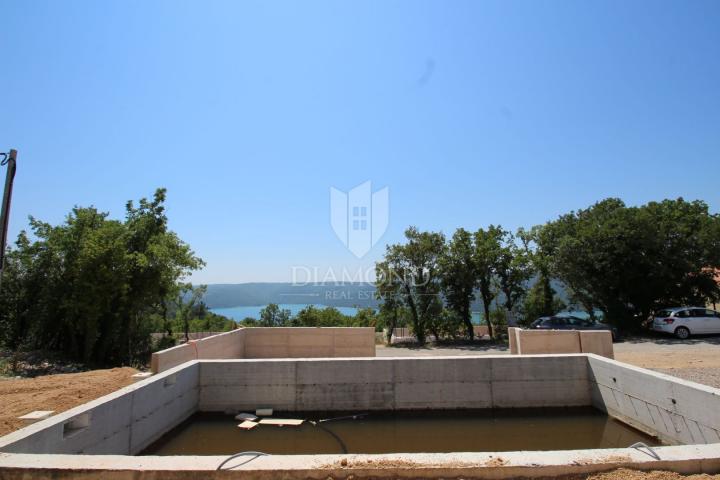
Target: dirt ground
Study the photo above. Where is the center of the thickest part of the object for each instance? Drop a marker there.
(56, 392)
(624, 474)
(697, 359)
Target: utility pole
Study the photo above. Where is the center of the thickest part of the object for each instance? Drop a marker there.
(9, 159)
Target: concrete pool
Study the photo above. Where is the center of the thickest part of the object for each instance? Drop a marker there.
(444, 431)
(108, 434)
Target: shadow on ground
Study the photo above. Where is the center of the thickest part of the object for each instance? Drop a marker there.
(659, 339)
(476, 346)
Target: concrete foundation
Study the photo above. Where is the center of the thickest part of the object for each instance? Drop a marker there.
(535, 342)
(122, 423)
(675, 410)
(276, 342)
(127, 421)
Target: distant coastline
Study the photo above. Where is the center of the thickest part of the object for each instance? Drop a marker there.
(351, 295)
(238, 313)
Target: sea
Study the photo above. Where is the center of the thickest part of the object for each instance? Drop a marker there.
(253, 311)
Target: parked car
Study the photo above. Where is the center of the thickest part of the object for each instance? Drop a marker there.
(685, 321)
(564, 322)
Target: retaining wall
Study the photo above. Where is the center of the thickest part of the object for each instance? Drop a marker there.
(535, 342)
(275, 342)
(225, 345)
(122, 423)
(395, 383)
(675, 410)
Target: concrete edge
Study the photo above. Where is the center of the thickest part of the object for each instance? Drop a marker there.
(382, 359)
(489, 465)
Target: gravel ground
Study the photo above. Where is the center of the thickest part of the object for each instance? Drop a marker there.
(706, 376)
(697, 359)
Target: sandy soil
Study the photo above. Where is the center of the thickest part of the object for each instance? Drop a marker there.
(624, 474)
(56, 392)
(670, 353)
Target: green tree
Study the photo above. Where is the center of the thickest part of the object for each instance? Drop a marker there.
(389, 316)
(364, 317)
(273, 316)
(249, 322)
(411, 270)
(187, 299)
(513, 270)
(629, 261)
(486, 258)
(541, 301)
(92, 287)
(459, 277)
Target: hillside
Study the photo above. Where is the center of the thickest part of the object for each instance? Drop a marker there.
(221, 295)
(246, 294)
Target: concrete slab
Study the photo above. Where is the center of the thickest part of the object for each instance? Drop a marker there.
(36, 416)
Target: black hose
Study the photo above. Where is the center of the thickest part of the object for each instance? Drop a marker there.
(347, 417)
(257, 454)
(334, 435)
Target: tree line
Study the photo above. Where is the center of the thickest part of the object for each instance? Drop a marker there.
(311, 316)
(94, 288)
(622, 261)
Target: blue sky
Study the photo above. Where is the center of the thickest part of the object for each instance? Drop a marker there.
(471, 113)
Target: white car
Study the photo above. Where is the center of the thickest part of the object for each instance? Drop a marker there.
(685, 321)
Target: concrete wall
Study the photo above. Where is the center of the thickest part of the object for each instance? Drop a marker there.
(309, 342)
(513, 340)
(598, 342)
(537, 342)
(225, 345)
(675, 410)
(124, 422)
(395, 383)
(276, 342)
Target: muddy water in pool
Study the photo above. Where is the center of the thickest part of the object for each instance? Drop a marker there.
(556, 429)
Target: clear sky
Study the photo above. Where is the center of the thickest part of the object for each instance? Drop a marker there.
(471, 113)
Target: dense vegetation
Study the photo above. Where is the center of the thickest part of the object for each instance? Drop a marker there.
(623, 261)
(311, 316)
(94, 288)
